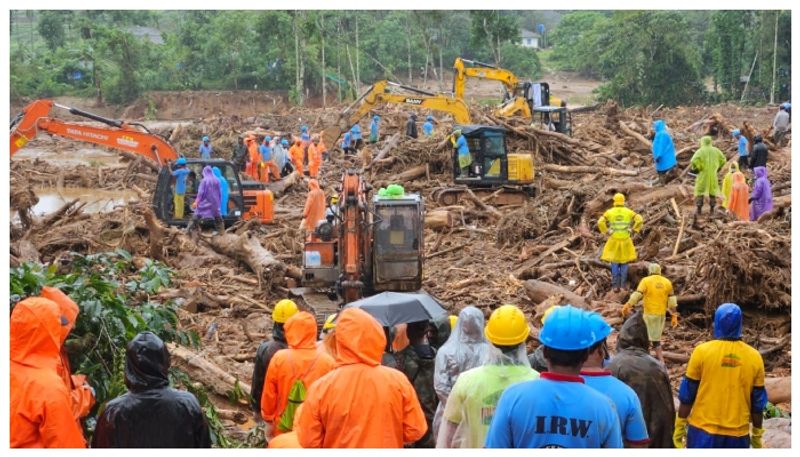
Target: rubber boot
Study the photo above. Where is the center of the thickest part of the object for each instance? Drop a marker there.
(712, 203)
(699, 203)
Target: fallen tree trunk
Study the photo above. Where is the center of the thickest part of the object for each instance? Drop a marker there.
(250, 251)
(438, 220)
(280, 187)
(539, 291)
(411, 174)
(587, 169)
(205, 372)
(388, 146)
(155, 236)
(636, 135)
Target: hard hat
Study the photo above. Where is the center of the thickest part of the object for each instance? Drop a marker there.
(429, 118)
(284, 142)
(334, 199)
(304, 128)
(736, 132)
(787, 105)
(619, 199)
(654, 269)
(181, 161)
(548, 312)
(568, 328)
(600, 327)
(205, 138)
(376, 118)
(330, 322)
(507, 326)
(283, 310)
(453, 320)
(267, 139)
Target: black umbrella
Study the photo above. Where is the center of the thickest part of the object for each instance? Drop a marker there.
(391, 308)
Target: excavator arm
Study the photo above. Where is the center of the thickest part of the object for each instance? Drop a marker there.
(118, 135)
(483, 71)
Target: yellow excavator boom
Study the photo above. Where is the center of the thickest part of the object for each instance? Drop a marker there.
(483, 71)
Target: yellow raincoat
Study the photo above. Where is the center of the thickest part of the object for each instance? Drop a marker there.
(619, 247)
(727, 183)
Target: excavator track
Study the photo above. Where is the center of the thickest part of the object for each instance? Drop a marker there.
(317, 302)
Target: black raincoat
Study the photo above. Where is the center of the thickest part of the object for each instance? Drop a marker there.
(151, 414)
(264, 355)
(634, 366)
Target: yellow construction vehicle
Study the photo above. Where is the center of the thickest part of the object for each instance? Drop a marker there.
(383, 92)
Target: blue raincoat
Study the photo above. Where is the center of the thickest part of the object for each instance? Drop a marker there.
(663, 148)
(373, 129)
(223, 191)
(356, 131)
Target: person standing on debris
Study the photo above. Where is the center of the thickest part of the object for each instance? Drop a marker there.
(657, 296)
(253, 157)
(619, 249)
(472, 402)
(758, 158)
(305, 137)
(314, 158)
(41, 406)
(738, 202)
(722, 392)
(466, 348)
(180, 173)
(427, 127)
(266, 157)
(663, 151)
(223, 191)
(206, 204)
(373, 129)
(648, 377)
(314, 211)
(151, 414)
(459, 142)
(355, 132)
(411, 126)
(558, 409)
(596, 376)
(281, 313)
(417, 361)
(291, 372)
(727, 183)
(240, 154)
(761, 198)
(205, 150)
(296, 154)
(780, 125)
(707, 161)
(360, 404)
(347, 143)
(742, 148)
(280, 157)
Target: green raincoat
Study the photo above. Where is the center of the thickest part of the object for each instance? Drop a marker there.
(707, 161)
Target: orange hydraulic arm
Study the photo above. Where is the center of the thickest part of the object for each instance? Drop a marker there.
(354, 240)
(119, 135)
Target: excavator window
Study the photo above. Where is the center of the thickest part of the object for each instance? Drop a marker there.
(395, 232)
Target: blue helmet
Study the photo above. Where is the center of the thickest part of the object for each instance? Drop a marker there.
(376, 118)
(601, 327)
(354, 128)
(429, 118)
(736, 132)
(267, 139)
(569, 328)
(728, 321)
(284, 142)
(304, 128)
(181, 161)
(205, 138)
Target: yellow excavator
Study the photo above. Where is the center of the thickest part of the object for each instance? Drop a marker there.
(383, 92)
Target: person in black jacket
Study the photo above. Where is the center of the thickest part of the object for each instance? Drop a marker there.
(151, 414)
(758, 156)
(411, 126)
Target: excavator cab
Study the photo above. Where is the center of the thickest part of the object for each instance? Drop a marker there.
(398, 241)
(553, 118)
(492, 165)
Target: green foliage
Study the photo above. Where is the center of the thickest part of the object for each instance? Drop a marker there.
(494, 28)
(771, 411)
(524, 62)
(575, 41)
(51, 28)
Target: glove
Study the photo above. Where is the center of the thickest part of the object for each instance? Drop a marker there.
(680, 432)
(755, 438)
(626, 310)
(674, 320)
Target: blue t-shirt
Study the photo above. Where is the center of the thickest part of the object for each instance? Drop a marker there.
(180, 175)
(205, 151)
(346, 141)
(266, 152)
(356, 131)
(461, 145)
(427, 128)
(554, 411)
(629, 409)
(742, 146)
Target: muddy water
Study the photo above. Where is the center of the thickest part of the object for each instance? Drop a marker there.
(83, 155)
(98, 201)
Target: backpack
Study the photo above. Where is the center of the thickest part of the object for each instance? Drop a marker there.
(296, 397)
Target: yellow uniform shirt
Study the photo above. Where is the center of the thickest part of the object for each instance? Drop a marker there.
(727, 372)
(656, 291)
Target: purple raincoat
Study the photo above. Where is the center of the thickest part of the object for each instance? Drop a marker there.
(762, 194)
(208, 195)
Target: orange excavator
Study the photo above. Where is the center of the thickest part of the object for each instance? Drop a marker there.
(247, 199)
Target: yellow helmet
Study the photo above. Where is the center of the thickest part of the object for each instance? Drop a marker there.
(330, 322)
(283, 310)
(619, 199)
(548, 311)
(334, 199)
(507, 326)
(453, 320)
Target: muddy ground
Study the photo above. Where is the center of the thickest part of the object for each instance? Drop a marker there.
(491, 255)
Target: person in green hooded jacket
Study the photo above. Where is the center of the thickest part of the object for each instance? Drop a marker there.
(707, 161)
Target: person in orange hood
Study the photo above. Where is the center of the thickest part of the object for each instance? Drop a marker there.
(300, 361)
(360, 404)
(314, 160)
(81, 392)
(296, 154)
(253, 157)
(41, 406)
(314, 210)
(738, 202)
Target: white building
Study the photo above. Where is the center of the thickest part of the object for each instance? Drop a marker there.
(530, 39)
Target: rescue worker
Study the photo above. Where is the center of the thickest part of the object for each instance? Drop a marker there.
(253, 157)
(537, 360)
(41, 407)
(266, 157)
(206, 203)
(742, 148)
(619, 249)
(240, 154)
(327, 342)
(296, 155)
(474, 397)
(332, 211)
(761, 197)
(462, 149)
(427, 127)
(706, 161)
(151, 414)
(780, 125)
(305, 137)
(629, 410)
(281, 313)
(663, 151)
(223, 191)
(314, 160)
(722, 392)
(558, 409)
(355, 132)
(180, 173)
(648, 377)
(466, 348)
(288, 440)
(347, 143)
(300, 362)
(417, 361)
(282, 159)
(758, 158)
(411, 126)
(738, 202)
(360, 404)
(205, 150)
(727, 183)
(439, 330)
(314, 210)
(373, 129)
(657, 296)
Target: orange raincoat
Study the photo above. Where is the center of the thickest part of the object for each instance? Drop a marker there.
(321, 147)
(360, 404)
(81, 394)
(288, 440)
(314, 160)
(300, 361)
(41, 407)
(253, 157)
(296, 154)
(738, 202)
(314, 210)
